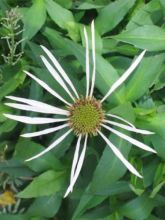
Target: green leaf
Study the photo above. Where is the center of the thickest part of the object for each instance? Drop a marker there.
(148, 37)
(112, 166)
(3, 109)
(14, 217)
(114, 216)
(46, 206)
(157, 189)
(8, 126)
(88, 6)
(152, 217)
(63, 18)
(110, 16)
(99, 214)
(138, 208)
(163, 5)
(111, 45)
(46, 184)
(65, 3)
(58, 14)
(4, 5)
(26, 149)
(118, 187)
(159, 174)
(73, 30)
(159, 180)
(33, 19)
(147, 14)
(144, 76)
(14, 168)
(158, 143)
(11, 84)
(155, 123)
(149, 172)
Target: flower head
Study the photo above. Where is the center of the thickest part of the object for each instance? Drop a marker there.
(82, 116)
(86, 115)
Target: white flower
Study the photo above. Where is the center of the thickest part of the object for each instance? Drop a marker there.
(83, 116)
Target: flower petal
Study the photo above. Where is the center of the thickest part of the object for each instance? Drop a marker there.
(46, 87)
(79, 166)
(43, 132)
(120, 118)
(130, 139)
(87, 62)
(128, 128)
(93, 58)
(56, 76)
(40, 105)
(54, 144)
(34, 120)
(60, 69)
(124, 76)
(75, 158)
(28, 108)
(120, 156)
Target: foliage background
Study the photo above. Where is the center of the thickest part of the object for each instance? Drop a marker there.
(105, 190)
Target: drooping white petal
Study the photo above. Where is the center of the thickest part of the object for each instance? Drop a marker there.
(43, 132)
(130, 139)
(75, 158)
(60, 69)
(40, 105)
(56, 76)
(46, 87)
(124, 76)
(128, 128)
(28, 108)
(93, 58)
(87, 62)
(120, 156)
(78, 169)
(34, 120)
(120, 118)
(54, 144)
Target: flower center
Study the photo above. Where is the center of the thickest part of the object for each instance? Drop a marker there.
(86, 115)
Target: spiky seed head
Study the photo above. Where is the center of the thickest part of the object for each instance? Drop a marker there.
(86, 115)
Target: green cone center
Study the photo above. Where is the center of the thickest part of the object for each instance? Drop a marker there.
(86, 116)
